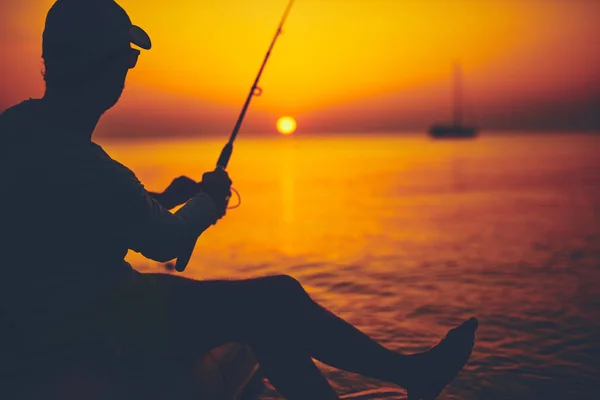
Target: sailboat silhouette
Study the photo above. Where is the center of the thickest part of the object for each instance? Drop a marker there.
(456, 129)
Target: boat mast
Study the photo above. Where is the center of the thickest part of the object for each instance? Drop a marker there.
(457, 95)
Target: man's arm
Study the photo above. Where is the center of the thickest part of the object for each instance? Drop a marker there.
(177, 193)
(160, 234)
(157, 197)
(144, 224)
(161, 200)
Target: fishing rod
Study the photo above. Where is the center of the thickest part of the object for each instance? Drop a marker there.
(254, 91)
(225, 155)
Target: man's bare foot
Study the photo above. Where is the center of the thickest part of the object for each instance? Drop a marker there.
(437, 367)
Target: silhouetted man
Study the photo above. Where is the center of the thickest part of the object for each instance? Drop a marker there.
(70, 213)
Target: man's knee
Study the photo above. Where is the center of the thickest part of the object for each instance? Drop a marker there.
(284, 288)
(288, 284)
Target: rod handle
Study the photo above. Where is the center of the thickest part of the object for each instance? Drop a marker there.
(184, 259)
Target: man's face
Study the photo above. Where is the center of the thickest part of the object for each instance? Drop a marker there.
(109, 88)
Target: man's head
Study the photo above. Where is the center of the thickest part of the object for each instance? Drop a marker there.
(87, 50)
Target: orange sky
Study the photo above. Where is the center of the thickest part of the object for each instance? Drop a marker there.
(342, 65)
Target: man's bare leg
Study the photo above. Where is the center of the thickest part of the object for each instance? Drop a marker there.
(274, 315)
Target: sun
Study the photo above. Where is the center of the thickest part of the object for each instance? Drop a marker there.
(286, 125)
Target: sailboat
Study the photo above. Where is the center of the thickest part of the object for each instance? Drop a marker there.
(456, 129)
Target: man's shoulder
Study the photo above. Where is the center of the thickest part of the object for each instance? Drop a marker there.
(17, 125)
(105, 159)
(15, 116)
(19, 110)
(112, 169)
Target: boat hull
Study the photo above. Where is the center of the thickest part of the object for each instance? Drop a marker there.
(452, 132)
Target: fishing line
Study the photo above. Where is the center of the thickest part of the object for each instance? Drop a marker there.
(239, 203)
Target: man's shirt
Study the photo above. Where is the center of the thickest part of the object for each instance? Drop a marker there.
(69, 214)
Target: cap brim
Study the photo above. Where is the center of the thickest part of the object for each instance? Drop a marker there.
(140, 38)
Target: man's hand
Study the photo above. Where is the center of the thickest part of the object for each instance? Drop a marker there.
(217, 185)
(179, 191)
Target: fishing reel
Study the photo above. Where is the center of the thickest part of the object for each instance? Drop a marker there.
(232, 190)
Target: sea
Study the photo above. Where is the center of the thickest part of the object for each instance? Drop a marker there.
(405, 237)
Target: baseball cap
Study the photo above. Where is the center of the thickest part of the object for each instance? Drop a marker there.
(79, 32)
